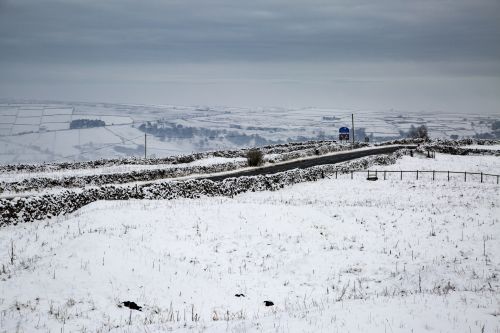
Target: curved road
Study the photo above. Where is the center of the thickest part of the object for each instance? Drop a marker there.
(310, 162)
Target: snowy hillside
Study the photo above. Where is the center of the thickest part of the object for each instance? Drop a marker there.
(57, 131)
(335, 255)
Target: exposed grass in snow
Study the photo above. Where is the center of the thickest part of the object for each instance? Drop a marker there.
(334, 256)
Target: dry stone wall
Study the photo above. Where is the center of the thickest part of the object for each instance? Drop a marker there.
(28, 209)
(179, 159)
(283, 153)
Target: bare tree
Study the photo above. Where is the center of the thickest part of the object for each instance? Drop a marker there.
(419, 132)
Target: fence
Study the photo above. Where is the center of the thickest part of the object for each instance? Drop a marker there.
(418, 174)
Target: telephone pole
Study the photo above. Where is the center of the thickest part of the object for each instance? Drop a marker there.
(352, 118)
(145, 142)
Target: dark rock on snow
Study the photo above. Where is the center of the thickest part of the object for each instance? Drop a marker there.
(132, 305)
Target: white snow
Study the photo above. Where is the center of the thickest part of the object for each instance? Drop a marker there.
(489, 147)
(19, 176)
(337, 255)
(445, 162)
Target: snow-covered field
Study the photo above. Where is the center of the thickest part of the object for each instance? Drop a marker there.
(337, 255)
(38, 132)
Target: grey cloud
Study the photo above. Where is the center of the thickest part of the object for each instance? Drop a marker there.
(80, 31)
(433, 54)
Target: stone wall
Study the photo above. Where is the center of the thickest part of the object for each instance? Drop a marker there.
(28, 209)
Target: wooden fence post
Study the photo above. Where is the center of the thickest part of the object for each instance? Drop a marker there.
(384, 175)
(336, 174)
(433, 174)
(465, 176)
(417, 174)
(401, 174)
(351, 174)
(448, 175)
(481, 177)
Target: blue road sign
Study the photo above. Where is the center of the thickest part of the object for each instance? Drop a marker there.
(344, 130)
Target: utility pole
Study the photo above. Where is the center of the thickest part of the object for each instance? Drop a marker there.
(145, 142)
(352, 117)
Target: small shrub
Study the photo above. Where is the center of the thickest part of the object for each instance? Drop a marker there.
(255, 157)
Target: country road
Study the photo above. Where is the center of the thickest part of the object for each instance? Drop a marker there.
(30, 206)
(303, 163)
(309, 162)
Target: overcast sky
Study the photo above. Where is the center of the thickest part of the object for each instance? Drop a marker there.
(441, 55)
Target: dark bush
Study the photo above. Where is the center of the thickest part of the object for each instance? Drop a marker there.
(255, 157)
(86, 123)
